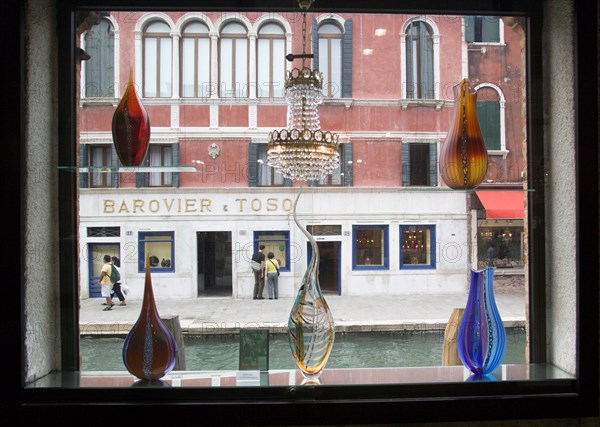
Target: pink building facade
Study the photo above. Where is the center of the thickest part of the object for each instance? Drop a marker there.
(212, 84)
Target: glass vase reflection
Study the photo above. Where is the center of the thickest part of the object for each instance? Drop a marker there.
(150, 349)
(310, 326)
(131, 127)
(463, 155)
(481, 337)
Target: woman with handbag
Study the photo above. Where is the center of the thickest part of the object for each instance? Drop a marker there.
(272, 276)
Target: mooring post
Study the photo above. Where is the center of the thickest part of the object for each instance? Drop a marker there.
(172, 323)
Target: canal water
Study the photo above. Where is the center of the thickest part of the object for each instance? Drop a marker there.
(350, 350)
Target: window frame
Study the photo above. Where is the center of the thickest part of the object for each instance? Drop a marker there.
(385, 228)
(271, 39)
(286, 233)
(432, 248)
(538, 398)
(197, 62)
(159, 58)
(141, 239)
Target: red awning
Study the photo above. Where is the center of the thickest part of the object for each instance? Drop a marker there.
(502, 204)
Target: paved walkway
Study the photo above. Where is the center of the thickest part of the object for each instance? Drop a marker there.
(215, 315)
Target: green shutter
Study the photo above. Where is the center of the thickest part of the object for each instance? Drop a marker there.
(114, 164)
(347, 60)
(347, 164)
(287, 182)
(488, 113)
(83, 161)
(99, 69)
(469, 29)
(405, 164)
(253, 164)
(315, 45)
(490, 31)
(426, 56)
(433, 164)
(410, 79)
(175, 160)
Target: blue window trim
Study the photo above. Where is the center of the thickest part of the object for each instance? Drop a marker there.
(432, 246)
(142, 252)
(286, 233)
(386, 257)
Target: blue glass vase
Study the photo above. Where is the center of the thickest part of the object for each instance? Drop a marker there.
(481, 337)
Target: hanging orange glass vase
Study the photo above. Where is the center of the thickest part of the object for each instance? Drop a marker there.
(131, 127)
(150, 349)
(463, 156)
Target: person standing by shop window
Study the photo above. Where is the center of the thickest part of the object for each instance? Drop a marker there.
(272, 276)
(258, 266)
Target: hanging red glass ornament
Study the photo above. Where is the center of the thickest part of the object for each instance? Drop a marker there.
(131, 127)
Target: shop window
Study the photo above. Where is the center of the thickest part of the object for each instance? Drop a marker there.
(417, 246)
(370, 247)
(500, 244)
(277, 242)
(159, 247)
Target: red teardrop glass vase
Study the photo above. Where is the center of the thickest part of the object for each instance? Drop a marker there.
(131, 127)
(150, 349)
(463, 156)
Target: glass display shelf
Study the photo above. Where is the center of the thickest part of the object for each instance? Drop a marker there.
(525, 373)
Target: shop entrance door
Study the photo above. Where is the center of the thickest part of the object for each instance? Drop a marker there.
(329, 266)
(214, 263)
(96, 252)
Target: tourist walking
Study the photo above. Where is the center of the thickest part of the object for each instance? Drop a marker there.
(117, 287)
(105, 283)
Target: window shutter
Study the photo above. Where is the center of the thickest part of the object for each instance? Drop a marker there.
(287, 182)
(107, 63)
(410, 79)
(142, 178)
(315, 45)
(405, 164)
(491, 29)
(253, 164)
(469, 29)
(83, 161)
(347, 60)
(312, 183)
(488, 113)
(347, 164)
(92, 66)
(175, 160)
(114, 164)
(426, 56)
(433, 164)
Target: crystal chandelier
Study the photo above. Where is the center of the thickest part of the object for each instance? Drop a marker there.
(303, 151)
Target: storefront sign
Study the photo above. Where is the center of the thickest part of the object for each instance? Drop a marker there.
(192, 205)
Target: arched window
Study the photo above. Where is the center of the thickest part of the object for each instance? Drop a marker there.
(489, 115)
(195, 61)
(158, 47)
(100, 68)
(419, 61)
(330, 58)
(270, 61)
(233, 61)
